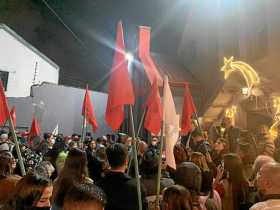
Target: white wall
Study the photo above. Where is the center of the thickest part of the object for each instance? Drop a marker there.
(19, 59)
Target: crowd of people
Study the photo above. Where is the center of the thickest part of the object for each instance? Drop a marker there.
(224, 168)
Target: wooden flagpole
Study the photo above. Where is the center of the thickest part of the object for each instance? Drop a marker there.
(22, 169)
(135, 158)
(83, 131)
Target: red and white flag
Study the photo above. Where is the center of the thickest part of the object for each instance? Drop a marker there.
(171, 124)
(120, 91)
(88, 111)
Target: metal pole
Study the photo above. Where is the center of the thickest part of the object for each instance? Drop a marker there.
(22, 169)
(135, 158)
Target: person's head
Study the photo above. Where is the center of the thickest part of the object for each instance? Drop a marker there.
(197, 159)
(142, 147)
(3, 137)
(75, 165)
(259, 162)
(6, 163)
(220, 145)
(31, 192)
(268, 178)
(154, 141)
(197, 136)
(227, 122)
(189, 175)
(117, 156)
(122, 138)
(262, 131)
(84, 197)
(72, 145)
(74, 170)
(234, 168)
(44, 169)
(149, 164)
(176, 197)
(92, 145)
(180, 153)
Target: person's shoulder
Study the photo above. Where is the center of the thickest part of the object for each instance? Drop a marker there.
(259, 206)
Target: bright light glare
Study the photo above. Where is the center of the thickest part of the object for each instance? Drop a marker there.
(129, 57)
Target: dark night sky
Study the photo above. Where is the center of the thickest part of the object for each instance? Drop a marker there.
(94, 22)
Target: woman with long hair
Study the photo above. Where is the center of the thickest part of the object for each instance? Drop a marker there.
(32, 192)
(74, 171)
(7, 179)
(233, 185)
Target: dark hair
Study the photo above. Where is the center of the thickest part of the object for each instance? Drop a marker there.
(74, 170)
(117, 155)
(177, 197)
(5, 165)
(27, 192)
(237, 178)
(180, 153)
(84, 196)
(189, 175)
(149, 164)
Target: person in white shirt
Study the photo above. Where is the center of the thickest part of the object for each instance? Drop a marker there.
(268, 183)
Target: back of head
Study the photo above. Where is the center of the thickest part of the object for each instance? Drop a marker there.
(234, 166)
(75, 164)
(149, 164)
(180, 153)
(84, 197)
(189, 175)
(177, 197)
(259, 162)
(117, 155)
(269, 177)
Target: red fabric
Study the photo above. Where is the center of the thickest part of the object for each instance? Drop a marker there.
(34, 130)
(188, 110)
(145, 57)
(4, 109)
(13, 115)
(120, 90)
(154, 110)
(88, 111)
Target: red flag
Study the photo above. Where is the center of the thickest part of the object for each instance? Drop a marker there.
(13, 115)
(154, 110)
(4, 109)
(145, 57)
(120, 86)
(188, 110)
(88, 111)
(34, 130)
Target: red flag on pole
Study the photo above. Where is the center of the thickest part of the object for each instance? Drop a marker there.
(154, 110)
(120, 86)
(13, 115)
(145, 57)
(88, 111)
(188, 110)
(34, 130)
(4, 109)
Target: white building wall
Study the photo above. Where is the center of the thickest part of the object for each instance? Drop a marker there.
(19, 59)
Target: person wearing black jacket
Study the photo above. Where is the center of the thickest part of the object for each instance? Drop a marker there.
(121, 190)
